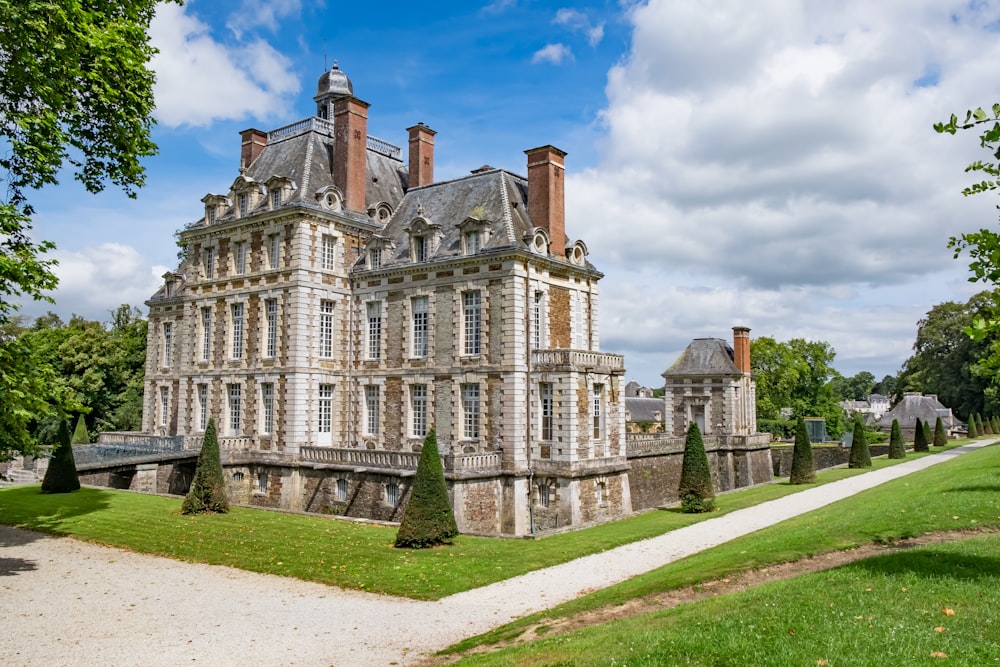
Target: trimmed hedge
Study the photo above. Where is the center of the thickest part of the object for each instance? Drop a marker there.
(695, 490)
(897, 449)
(61, 476)
(429, 518)
(803, 465)
(208, 489)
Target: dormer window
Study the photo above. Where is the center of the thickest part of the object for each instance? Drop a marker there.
(243, 203)
(214, 204)
(577, 253)
(419, 248)
(210, 216)
(471, 241)
(539, 243)
(424, 236)
(475, 232)
(275, 198)
(330, 198)
(277, 188)
(375, 258)
(381, 212)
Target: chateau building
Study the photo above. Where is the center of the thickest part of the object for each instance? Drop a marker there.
(336, 303)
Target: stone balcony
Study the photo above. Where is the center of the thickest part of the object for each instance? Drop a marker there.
(577, 361)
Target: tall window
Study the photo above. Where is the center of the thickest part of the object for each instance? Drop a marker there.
(168, 343)
(241, 258)
(371, 409)
(472, 321)
(271, 340)
(419, 248)
(273, 250)
(243, 201)
(202, 407)
(579, 330)
(375, 258)
(328, 255)
(209, 256)
(374, 309)
(538, 321)
(326, 328)
(471, 243)
(545, 407)
(597, 411)
(267, 408)
(164, 405)
(418, 410)
(210, 214)
(234, 409)
(325, 417)
(206, 333)
(470, 411)
(420, 331)
(276, 198)
(237, 316)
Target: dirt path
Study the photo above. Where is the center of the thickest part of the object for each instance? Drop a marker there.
(64, 602)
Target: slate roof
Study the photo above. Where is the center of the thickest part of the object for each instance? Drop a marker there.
(927, 408)
(644, 409)
(705, 356)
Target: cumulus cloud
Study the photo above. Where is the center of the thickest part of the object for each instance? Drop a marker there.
(552, 53)
(200, 80)
(262, 14)
(773, 164)
(578, 21)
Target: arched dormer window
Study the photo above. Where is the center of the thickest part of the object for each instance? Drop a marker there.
(246, 194)
(279, 190)
(424, 238)
(215, 207)
(380, 212)
(475, 234)
(538, 241)
(577, 253)
(375, 250)
(330, 198)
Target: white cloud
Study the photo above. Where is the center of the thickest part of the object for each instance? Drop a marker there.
(200, 80)
(773, 164)
(552, 53)
(498, 6)
(261, 14)
(576, 20)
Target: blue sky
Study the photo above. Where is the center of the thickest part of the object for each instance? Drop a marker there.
(767, 164)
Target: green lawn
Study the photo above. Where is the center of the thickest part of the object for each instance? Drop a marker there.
(336, 552)
(960, 494)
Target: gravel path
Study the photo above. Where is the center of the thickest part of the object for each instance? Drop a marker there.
(64, 602)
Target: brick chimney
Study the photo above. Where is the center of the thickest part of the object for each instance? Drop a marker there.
(421, 155)
(350, 142)
(547, 195)
(741, 348)
(252, 142)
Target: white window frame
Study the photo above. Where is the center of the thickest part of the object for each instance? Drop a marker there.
(597, 411)
(419, 330)
(342, 489)
(271, 324)
(373, 348)
(164, 405)
(328, 252)
(472, 322)
(206, 333)
(209, 262)
(240, 258)
(375, 258)
(421, 248)
(168, 344)
(544, 493)
(325, 329)
(546, 412)
(471, 421)
(202, 407)
(372, 397)
(243, 203)
(275, 198)
(235, 396)
(274, 251)
(324, 412)
(267, 408)
(418, 410)
(538, 321)
(236, 311)
(261, 483)
(471, 240)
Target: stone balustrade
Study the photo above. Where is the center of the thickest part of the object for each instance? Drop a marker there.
(577, 360)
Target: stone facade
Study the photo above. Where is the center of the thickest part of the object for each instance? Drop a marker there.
(335, 304)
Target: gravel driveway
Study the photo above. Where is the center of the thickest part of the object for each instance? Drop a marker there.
(65, 602)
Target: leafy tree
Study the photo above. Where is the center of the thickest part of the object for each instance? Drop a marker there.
(940, 437)
(897, 450)
(74, 88)
(856, 388)
(920, 437)
(797, 375)
(695, 491)
(429, 518)
(208, 488)
(860, 456)
(803, 465)
(886, 386)
(60, 476)
(80, 434)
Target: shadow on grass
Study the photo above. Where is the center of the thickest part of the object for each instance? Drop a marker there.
(27, 507)
(932, 563)
(989, 488)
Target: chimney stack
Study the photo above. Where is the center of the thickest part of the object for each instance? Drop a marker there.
(547, 195)
(741, 348)
(251, 144)
(350, 145)
(421, 155)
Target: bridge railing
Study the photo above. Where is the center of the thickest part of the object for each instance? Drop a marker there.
(126, 446)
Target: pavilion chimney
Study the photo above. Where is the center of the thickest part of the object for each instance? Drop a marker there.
(350, 145)
(252, 143)
(421, 155)
(547, 195)
(741, 348)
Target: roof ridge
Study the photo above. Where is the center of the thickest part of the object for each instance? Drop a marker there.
(508, 221)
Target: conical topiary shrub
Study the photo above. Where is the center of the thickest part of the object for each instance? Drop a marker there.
(803, 465)
(928, 433)
(860, 455)
(897, 450)
(429, 518)
(973, 431)
(208, 488)
(919, 437)
(80, 434)
(987, 428)
(61, 477)
(940, 437)
(695, 491)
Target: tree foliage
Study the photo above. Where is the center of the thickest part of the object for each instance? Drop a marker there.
(429, 519)
(897, 448)
(860, 456)
(208, 488)
(61, 476)
(695, 490)
(796, 375)
(803, 465)
(856, 388)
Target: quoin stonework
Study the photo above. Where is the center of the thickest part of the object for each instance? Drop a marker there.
(336, 302)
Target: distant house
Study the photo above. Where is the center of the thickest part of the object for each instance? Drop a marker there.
(916, 405)
(643, 415)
